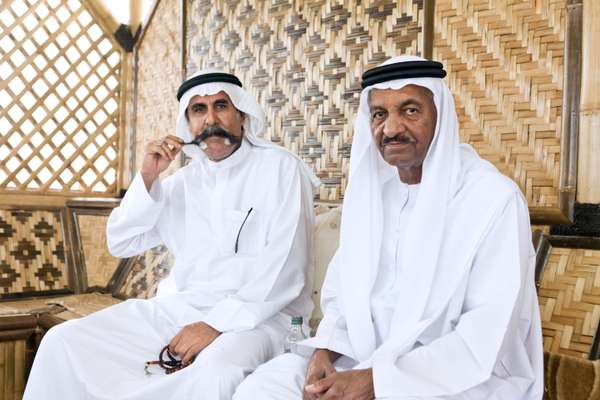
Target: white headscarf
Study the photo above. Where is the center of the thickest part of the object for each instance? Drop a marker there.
(362, 218)
(254, 122)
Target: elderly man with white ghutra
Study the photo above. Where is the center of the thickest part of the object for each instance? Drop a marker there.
(238, 220)
(431, 293)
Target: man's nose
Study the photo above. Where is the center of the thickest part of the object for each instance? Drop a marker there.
(211, 117)
(393, 125)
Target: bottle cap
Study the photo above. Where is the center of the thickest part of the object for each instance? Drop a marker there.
(297, 320)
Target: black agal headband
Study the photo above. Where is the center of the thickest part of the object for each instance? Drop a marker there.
(207, 78)
(403, 70)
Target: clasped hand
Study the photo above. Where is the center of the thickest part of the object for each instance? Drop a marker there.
(323, 382)
(191, 340)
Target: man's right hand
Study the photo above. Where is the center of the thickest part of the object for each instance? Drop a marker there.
(159, 154)
(320, 366)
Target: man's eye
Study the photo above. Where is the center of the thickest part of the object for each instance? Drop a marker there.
(411, 111)
(377, 115)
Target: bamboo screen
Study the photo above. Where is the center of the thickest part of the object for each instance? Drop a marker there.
(100, 265)
(303, 61)
(505, 62)
(59, 100)
(569, 297)
(158, 77)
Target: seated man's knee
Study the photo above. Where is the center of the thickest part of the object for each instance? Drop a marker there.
(280, 378)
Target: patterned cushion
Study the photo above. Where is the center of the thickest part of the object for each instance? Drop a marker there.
(32, 253)
(144, 272)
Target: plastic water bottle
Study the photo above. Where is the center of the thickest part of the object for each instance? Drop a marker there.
(295, 334)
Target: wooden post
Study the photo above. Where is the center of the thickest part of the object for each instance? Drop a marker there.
(102, 16)
(135, 15)
(125, 176)
(588, 180)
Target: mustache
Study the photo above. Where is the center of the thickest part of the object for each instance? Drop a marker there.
(218, 132)
(401, 138)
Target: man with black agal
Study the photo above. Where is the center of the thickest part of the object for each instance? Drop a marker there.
(238, 220)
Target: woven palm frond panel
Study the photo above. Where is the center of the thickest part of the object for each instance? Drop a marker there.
(303, 61)
(32, 252)
(505, 68)
(158, 77)
(12, 369)
(59, 100)
(145, 272)
(99, 264)
(569, 297)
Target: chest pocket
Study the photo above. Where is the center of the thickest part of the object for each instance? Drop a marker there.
(242, 233)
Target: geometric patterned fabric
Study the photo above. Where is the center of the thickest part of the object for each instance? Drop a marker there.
(569, 297)
(32, 252)
(59, 100)
(145, 272)
(303, 62)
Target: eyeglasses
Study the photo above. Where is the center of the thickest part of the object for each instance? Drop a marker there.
(169, 364)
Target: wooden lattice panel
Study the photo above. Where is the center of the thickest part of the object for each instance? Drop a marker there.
(303, 61)
(59, 100)
(569, 297)
(32, 252)
(145, 273)
(158, 77)
(99, 264)
(505, 65)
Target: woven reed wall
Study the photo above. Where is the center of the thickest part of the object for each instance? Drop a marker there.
(569, 297)
(12, 369)
(303, 61)
(505, 64)
(99, 264)
(158, 77)
(59, 100)
(32, 252)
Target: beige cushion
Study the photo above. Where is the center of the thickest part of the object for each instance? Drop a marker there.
(64, 307)
(327, 235)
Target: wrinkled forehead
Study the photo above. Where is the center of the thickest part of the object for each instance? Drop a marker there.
(409, 91)
(210, 98)
(213, 99)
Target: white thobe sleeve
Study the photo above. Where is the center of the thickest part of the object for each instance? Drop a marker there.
(332, 333)
(279, 272)
(499, 280)
(131, 227)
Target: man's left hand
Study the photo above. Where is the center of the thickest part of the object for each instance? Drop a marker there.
(347, 385)
(191, 340)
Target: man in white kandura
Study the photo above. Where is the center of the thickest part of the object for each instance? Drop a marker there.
(238, 220)
(431, 293)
